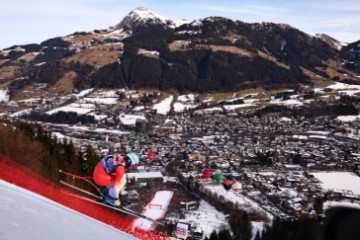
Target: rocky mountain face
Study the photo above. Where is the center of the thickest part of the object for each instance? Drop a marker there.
(351, 54)
(330, 41)
(146, 50)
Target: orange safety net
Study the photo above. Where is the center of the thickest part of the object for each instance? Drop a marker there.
(17, 174)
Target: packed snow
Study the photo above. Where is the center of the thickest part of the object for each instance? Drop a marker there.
(29, 216)
(237, 106)
(142, 51)
(207, 218)
(145, 14)
(340, 181)
(164, 106)
(179, 107)
(341, 88)
(130, 119)
(21, 113)
(156, 209)
(287, 102)
(84, 93)
(88, 129)
(237, 198)
(184, 102)
(98, 117)
(74, 107)
(187, 98)
(4, 95)
(348, 118)
(100, 100)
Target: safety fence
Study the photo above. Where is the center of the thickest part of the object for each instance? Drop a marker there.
(17, 174)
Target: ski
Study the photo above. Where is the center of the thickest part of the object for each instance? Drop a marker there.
(96, 197)
(81, 190)
(86, 179)
(118, 209)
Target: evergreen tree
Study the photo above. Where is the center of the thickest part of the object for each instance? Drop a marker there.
(257, 236)
(213, 236)
(304, 228)
(91, 160)
(82, 161)
(71, 158)
(240, 225)
(318, 205)
(224, 235)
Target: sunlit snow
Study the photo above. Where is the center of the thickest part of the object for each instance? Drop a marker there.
(29, 216)
(129, 119)
(348, 118)
(156, 209)
(346, 181)
(100, 100)
(4, 95)
(164, 106)
(84, 92)
(74, 107)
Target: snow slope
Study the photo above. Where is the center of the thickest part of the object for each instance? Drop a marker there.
(29, 216)
(156, 209)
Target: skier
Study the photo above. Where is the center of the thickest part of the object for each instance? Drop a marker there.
(110, 172)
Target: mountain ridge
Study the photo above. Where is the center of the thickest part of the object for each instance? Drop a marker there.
(147, 50)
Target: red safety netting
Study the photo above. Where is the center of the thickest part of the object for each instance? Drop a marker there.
(17, 174)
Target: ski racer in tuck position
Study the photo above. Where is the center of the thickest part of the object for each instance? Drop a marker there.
(110, 172)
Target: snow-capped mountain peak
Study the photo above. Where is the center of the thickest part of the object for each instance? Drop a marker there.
(142, 15)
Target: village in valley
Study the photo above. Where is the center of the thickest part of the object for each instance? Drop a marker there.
(280, 164)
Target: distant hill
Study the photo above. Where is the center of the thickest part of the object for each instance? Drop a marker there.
(146, 50)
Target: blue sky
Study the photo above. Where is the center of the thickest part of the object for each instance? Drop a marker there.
(34, 21)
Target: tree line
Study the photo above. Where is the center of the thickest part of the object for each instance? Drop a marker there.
(60, 117)
(35, 148)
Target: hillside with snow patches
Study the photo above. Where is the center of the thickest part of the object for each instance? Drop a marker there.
(87, 102)
(147, 50)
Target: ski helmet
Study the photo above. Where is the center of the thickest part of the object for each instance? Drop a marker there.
(132, 159)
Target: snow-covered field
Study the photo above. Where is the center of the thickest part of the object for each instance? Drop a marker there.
(25, 215)
(207, 218)
(343, 181)
(164, 106)
(78, 108)
(237, 198)
(348, 89)
(130, 119)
